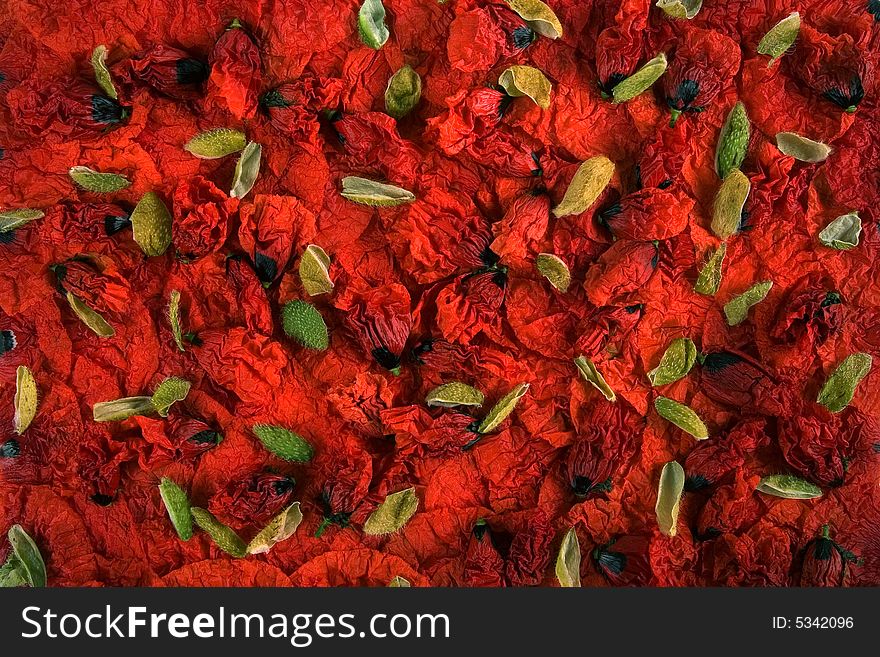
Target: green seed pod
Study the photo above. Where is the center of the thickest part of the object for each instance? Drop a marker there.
(302, 322)
(640, 81)
(780, 37)
(449, 395)
(171, 390)
(216, 143)
(733, 142)
(594, 377)
(122, 409)
(669, 498)
(502, 409)
(369, 192)
(737, 309)
(12, 219)
(246, 170)
(398, 582)
(403, 92)
(568, 561)
(25, 564)
(842, 233)
(283, 443)
(224, 537)
(94, 181)
(554, 269)
(102, 73)
(686, 9)
(280, 528)
(538, 16)
(681, 416)
(90, 317)
(709, 279)
(151, 225)
(393, 513)
(840, 387)
(676, 362)
(174, 319)
(371, 24)
(25, 399)
(788, 487)
(526, 81)
(729, 203)
(178, 507)
(589, 181)
(801, 148)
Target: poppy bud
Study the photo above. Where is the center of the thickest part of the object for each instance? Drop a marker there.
(625, 267)
(735, 380)
(235, 76)
(381, 321)
(825, 562)
(483, 564)
(171, 72)
(808, 317)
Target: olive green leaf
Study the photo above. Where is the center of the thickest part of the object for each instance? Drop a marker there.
(526, 81)
(842, 233)
(403, 92)
(733, 142)
(680, 8)
(284, 443)
(502, 409)
(216, 143)
(314, 271)
(24, 565)
(729, 203)
(640, 81)
(90, 317)
(840, 387)
(102, 74)
(780, 37)
(568, 561)
(178, 507)
(398, 582)
(537, 16)
(371, 24)
(554, 269)
(370, 192)
(122, 409)
(449, 395)
(393, 513)
(280, 528)
(709, 279)
(788, 487)
(95, 181)
(737, 309)
(676, 362)
(801, 148)
(302, 322)
(246, 170)
(174, 319)
(12, 219)
(681, 416)
(589, 181)
(669, 498)
(224, 537)
(25, 399)
(170, 391)
(592, 375)
(151, 225)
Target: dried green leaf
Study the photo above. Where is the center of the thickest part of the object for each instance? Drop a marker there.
(680, 8)
(393, 513)
(589, 181)
(729, 203)
(537, 16)
(840, 387)
(733, 141)
(449, 395)
(371, 24)
(502, 409)
(676, 362)
(151, 224)
(280, 528)
(669, 498)
(174, 319)
(12, 219)
(376, 194)
(403, 92)
(568, 561)
(842, 233)
(29, 561)
(224, 537)
(801, 148)
(780, 37)
(178, 507)
(216, 143)
(640, 81)
(314, 271)
(170, 391)
(90, 317)
(554, 269)
(246, 170)
(737, 309)
(284, 443)
(526, 81)
(122, 409)
(25, 399)
(681, 416)
(95, 181)
(709, 279)
(592, 375)
(102, 73)
(398, 582)
(788, 487)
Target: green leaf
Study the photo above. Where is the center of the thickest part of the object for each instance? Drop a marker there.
(554, 269)
(842, 233)
(788, 487)
(538, 16)
(102, 73)
(151, 225)
(224, 537)
(588, 183)
(840, 387)
(403, 92)
(174, 319)
(376, 194)
(246, 170)
(449, 395)
(216, 143)
(122, 409)
(526, 81)
(780, 37)
(801, 148)
(669, 498)
(314, 271)
(283, 443)
(676, 362)
(568, 561)
(641, 80)
(178, 507)
(302, 322)
(733, 142)
(592, 375)
(709, 279)
(94, 181)
(737, 309)
(502, 409)
(393, 513)
(729, 203)
(371, 24)
(90, 317)
(681, 416)
(280, 528)
(171, 390)
(12, 219)
(680, 8)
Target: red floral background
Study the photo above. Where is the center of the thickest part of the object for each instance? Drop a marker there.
(447, 285)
